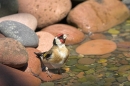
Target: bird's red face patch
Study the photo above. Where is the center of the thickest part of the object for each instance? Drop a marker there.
(62, 40)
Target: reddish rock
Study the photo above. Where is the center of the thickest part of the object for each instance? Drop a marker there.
(44, 76)
(12, 77)
(46, 12)
(98, 15)
(97, 36)
(45, 41)
(12, 53)
(96, 47)
(23, 18)
(74, 35)
(123, 44)
(34, 64)
(2, 36)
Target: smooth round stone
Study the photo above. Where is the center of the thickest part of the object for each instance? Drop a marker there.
(19, 32)
(86, 61)
(23, 18)
(71, 62)
(98, 15)
(13, 77)
(125, 44)
(74, 35)
(96, 47)
(45, 41)
(12, 53)
(8, 7)
(47, 84)
(46, 12)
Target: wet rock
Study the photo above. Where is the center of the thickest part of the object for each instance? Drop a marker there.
(97, 36)
(121, 79)
(80, 75)
(96, 47)
(45, 41)
(74, 35)
(71, 62)
(19, 32)
(82, 79)
(44, 76)
(102, 61)
(46, 12)
(23, 18)
(127, 54)
(8, 7)
(98, 15)
(86, 61)
(123, 44)
(47, 84)
(124, 68)
(12, 53)
(82, 67)
(10, 76)
(34, 63)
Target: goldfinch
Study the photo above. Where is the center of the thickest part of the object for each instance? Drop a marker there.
(56, 56)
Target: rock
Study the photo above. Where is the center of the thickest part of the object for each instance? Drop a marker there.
(47, 84)
(71, 62)
(34, 63)
(19, 32)
(46, 12)
(12, 77)
(127, 54)
(23, 18)
(2, 36)
(121, 79)
(127, 2)
(96, 47)
(80, 75)
(82, 67)
(12, 53)
(102, 61)
(44, 76)
(86, 61)
(125, 44)
(97, 36)
(45, 41)
(74, 35)
(8, 7)
(98, 15)
(128, 77)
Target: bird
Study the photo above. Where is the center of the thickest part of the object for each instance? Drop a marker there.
(56, 56)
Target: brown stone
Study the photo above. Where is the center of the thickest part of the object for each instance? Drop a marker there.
(12, 77)
(34, 64)
(86, 61)
(97, 36)
(12, 53)
(46, 12)
(125, 44)
(45, 41)
(96, 47)
(98, 15)
(74, 35)
(2, 36)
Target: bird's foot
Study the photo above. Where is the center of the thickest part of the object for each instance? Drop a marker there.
(47, 71)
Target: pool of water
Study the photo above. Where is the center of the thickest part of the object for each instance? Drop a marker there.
(112, 69)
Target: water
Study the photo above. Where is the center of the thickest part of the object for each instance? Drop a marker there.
(112, 69)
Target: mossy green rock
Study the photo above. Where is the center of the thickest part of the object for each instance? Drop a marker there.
(82, 79)
(71, 62)
(82, 67)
